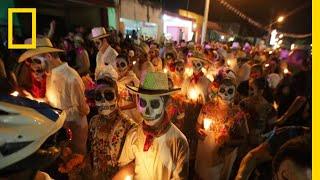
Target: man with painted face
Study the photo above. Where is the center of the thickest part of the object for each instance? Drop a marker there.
(156, 149)
(126, 77)
(64, 90)
(106, 54)
(107, 131)
(221, 129)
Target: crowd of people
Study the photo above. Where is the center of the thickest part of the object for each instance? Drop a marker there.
(144, 109)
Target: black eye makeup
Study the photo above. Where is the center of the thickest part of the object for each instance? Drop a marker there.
(155, 104)
(142, 102)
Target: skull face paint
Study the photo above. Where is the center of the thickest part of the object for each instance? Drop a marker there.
(122, 66)
(226, 92)
(106, 100)
(197, 66)
(179, 67)
(151, 108)
(38, 67)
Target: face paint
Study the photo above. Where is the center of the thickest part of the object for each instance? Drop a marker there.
(151, 108)
(227, 92)
(106, 100)
(98, 43)
(197, 66)
(122, 66)
(38, 72)
(180, 68)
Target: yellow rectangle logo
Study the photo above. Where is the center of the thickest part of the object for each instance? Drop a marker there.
(10, 28)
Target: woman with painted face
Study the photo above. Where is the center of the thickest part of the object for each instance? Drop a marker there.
(126, 77)
(221, 128)
(155, 149)
(107, 131)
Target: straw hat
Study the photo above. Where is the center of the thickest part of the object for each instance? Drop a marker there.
(99, 32)
(44, 45)
(199, 57)
(155, 83)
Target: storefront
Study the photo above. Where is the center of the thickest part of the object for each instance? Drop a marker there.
(175, 27)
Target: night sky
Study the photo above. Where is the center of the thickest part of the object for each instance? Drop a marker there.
(262, 11)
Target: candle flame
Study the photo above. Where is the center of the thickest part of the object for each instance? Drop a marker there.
(275, 105)
(193, 94)
(286, 71)
(128, 177)
(134, 62)
(207, 122)
(266, 65)
(229, 62)
(15, 94)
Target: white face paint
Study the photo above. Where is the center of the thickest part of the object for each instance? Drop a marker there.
(106, 100)
(227, 92)
(151, 108)
(197, 66)
(122, 66)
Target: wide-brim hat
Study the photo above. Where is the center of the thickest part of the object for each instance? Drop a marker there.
(154, 84)
(98, 33)
(43, 45)
(198, 56)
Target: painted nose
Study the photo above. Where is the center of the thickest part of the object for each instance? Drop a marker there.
(147, 111)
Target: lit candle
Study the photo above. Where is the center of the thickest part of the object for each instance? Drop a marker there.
(15, 93)
(188, 71)
(286, 71)
(266, 65)
(134, 62)
(229, 62)
(165, 70)
(207, 123)
(193, 94)
(128, 177)
(275, 105)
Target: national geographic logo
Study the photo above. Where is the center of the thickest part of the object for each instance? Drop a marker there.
(33, 12)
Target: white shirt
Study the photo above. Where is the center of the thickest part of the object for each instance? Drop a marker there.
(167, 158)
(105, 59)
(65, 91)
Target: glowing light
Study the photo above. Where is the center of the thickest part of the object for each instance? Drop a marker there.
(281, 36)
(207, 123)
(280, 19)
(194, 26)
(266, 65)
(210, 77)
(229, 62)
(280, 42)
(129, 177)
(273, 38)
(134, 62)
(275, 105)
(222, 37)
(292, 46)
(165, 70)
(15, 94)
(270, 52)
(231, 39)
(188, 71)
(286, 71)
(193, 94)
(204, 70)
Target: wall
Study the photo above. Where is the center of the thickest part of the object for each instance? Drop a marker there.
(131, 9)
